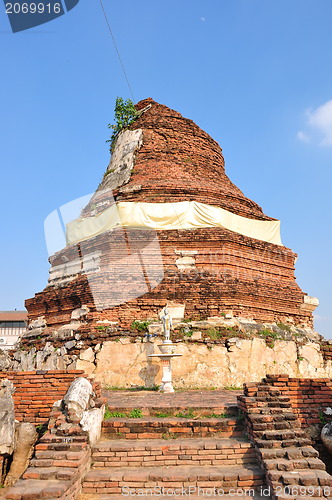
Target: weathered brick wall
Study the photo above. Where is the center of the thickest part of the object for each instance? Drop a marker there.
(36, 391)
(252, 278)
(178, 161)
(284, 449)
(308, 397)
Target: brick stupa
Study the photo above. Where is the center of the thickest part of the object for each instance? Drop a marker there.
(175, 252)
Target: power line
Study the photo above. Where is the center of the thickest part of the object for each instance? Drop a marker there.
(117, 50)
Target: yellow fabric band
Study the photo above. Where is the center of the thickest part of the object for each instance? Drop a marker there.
(167, 216)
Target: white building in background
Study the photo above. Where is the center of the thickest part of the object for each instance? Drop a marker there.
(12, 325)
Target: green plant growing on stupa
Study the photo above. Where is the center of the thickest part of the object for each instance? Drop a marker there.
(213, 333)
(140, 326)
(125, 114)
(285, 328)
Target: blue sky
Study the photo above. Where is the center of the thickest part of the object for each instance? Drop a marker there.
(255, 74)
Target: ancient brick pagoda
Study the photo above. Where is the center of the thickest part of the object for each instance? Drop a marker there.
(166, 225)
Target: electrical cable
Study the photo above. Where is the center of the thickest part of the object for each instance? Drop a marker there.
(122, 66)
(117, 50)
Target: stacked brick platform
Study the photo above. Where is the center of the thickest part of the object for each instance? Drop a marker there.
(177, 460)
(156, 428)
(179, 162)
(292, 466)
(308, 397)
(157, 453)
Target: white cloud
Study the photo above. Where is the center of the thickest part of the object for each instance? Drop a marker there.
(321, 120)
(303, 136)
(319, 124)
(203, 19)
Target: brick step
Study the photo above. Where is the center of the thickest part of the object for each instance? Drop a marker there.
(268, 417)
(51, 458)
(55, 462)
(311, 482)
(272, 411)
(261, 398)
(289, 443)
(275, 426)
(216, 401)
(56, 439)
(290, 453)
(190, 451)
(61, 446)
(284, 464)
(264, 386)
(280, 435)
(199, 411)
(269, 391)
(266, 392)
(115, 479)
(158, 428)
(27, 489)
(267, 408)
(269, 405)
(60, 473)
(263, 408)
(277, 405)
(266, 382)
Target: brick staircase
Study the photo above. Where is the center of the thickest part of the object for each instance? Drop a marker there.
(225, 447)
(293, 469)
(61, 457)
(196, 454)
(56, 469)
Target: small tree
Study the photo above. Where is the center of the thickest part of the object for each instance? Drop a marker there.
(125, 114)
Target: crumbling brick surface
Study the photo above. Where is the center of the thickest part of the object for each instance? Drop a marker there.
(62, 455)
(283, 448)
(308, 397)
(56, 469)
(180, 162)
(250, 277)
(177, 161)
(36, 391)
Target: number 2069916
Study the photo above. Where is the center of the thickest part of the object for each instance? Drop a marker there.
(33, 8)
